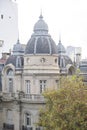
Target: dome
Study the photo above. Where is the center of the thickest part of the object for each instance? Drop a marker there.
(41, 42)
(61, 48)
(18, 48)
(41, 45)
(40, 25)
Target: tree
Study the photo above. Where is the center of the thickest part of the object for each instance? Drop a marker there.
(66, 108)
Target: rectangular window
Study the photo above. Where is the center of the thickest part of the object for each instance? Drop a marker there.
(9, 117)
(56, 81)
(27, 119)
(10, 85)
(27, 84)
(42, 85)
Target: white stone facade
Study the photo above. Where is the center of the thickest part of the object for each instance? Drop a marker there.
(18, 102)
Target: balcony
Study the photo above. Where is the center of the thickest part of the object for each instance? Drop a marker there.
(33, 97)
(22, 97)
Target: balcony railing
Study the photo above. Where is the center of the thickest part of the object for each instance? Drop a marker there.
(34, 97)
(22, 96)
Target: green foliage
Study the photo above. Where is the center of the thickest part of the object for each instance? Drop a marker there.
(66, 108)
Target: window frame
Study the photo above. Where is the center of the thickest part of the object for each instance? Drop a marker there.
(28, 86)
(10, 74)
(27, 119)
(42, 85)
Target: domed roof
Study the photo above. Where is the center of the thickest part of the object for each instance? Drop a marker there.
(40, 25)
(18, 48)
(61, 48)
(41, 42)
(66, 60)
(17, 61)
(63, 59)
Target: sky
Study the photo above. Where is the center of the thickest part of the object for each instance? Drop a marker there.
(65, 17)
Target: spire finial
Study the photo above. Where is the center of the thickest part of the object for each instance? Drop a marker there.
(41, 17)
(18, 41)
(18, 37)
(59, 37)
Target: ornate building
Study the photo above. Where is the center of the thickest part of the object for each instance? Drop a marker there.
(27, 74)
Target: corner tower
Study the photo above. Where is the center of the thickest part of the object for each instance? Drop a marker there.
(40, 60)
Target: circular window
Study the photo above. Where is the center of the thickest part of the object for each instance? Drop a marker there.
(43, 60)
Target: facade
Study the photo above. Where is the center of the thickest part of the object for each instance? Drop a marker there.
(26, 74)
(8, 24)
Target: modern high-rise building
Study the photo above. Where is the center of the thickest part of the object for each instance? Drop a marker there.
(8, 24)
(74, 53)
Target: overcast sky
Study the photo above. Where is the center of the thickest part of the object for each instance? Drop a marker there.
(68, 17)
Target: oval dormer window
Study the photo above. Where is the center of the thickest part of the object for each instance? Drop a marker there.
(43, 60)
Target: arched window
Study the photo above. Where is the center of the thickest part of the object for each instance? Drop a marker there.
(18, 62)
(10, 80)
(10, 72)
(62, 62)
(27, 119)
(9, 117)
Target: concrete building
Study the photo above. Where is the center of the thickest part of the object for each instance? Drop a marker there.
(8, 24)
(75, 54)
